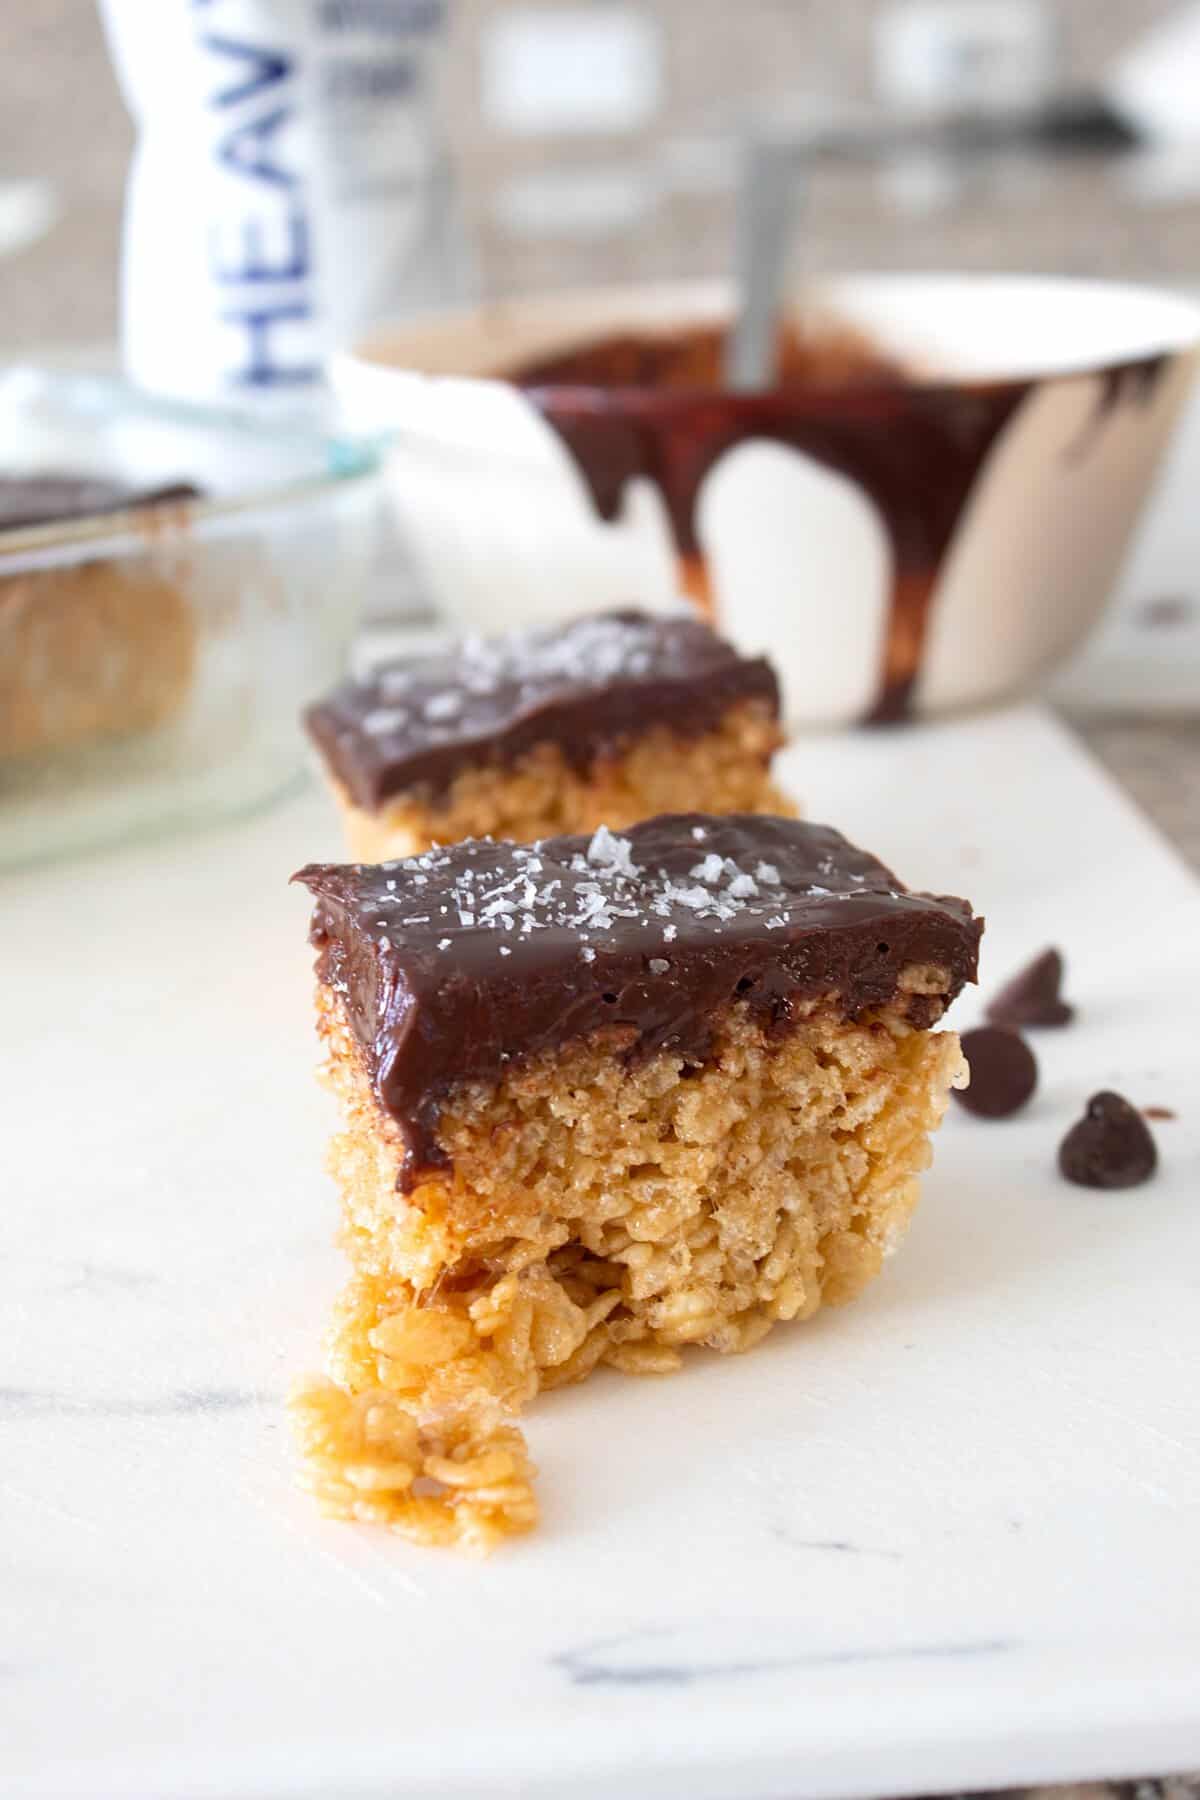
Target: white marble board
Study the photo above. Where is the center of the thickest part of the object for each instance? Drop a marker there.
(948, 1536)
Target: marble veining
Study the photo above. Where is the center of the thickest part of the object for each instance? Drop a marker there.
(101, 1279)
(629, 1660)
(177, 1619)
(835, 1546)
(38, 1403)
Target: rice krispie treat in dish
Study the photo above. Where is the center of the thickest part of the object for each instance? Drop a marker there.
(605, 720)
(95, 648)
(605, 1098)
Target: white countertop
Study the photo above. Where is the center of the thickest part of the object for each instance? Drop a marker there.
(943, 1538)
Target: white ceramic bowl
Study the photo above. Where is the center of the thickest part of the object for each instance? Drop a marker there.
(895, 546)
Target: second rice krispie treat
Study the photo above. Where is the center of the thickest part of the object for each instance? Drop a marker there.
(96, 648)
(604, 1098)
(608, 719)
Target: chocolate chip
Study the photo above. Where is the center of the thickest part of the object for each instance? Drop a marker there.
(1003, 1072)
(1033, 997)
(1110, 1147)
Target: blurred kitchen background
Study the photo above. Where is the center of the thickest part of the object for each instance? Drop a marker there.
(598, 140)
(594, 139)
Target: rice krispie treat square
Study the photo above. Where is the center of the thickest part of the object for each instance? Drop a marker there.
(605, 1098)
(91, 647)
(608, 719)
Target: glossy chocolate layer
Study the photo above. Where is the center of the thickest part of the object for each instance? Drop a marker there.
(48, 498)
(452, 964)
(587, 687)
(915, 447)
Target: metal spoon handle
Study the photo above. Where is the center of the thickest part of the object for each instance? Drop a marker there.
(768, 196)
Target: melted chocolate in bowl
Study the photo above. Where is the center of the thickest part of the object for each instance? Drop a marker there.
(694, 359)
(653, 406)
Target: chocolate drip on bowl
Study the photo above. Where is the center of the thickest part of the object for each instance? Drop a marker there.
(916, 453)
(916, 450)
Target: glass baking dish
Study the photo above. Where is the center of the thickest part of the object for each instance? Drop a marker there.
(153, 662)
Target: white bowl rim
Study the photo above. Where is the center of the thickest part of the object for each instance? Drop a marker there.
(910, 314)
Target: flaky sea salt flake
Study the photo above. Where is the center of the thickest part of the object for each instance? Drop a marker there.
(615, 853)
(382, 719)
(594, 910)
(442, 706)
(694, 897)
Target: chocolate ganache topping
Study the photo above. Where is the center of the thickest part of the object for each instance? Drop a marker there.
(452, 964)
(588, 687)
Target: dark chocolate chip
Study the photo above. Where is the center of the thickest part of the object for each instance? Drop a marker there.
(1033, 996)
(1003, 1072)
(1110, 1147)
